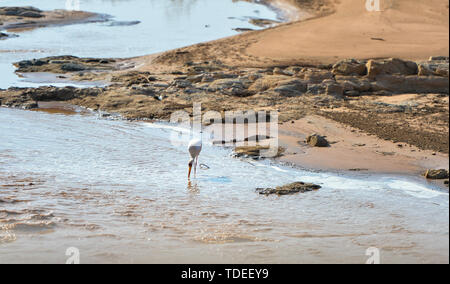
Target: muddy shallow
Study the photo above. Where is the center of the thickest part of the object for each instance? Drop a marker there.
(118, 192)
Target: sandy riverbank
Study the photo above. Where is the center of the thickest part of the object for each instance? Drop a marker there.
(384, 115)
(413, 30)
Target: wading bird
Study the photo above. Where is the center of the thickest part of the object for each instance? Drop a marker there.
(194, 148)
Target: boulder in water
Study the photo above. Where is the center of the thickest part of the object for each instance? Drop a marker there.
(292, 188)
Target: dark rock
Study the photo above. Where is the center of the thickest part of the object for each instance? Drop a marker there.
(316, 140)
(182, 84)
(230, 87)
(436, 174)
(291, 88)
(30, 105)
(31, 14)
(72, 67)
(262, 22)
(27, 12)
(292, 188)
(334, 89)
(123, 23)
(243, 30)
(316, 89)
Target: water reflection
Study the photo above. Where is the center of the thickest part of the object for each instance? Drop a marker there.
(163, 25)
(193, 187)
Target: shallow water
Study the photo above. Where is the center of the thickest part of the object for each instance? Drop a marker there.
(163, 25)
(118, 192)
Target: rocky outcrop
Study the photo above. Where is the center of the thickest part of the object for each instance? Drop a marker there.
(316, 140)
(350, 67)
(26, 12)
(296, 187)
(392, 66)
(27, 97)
(231, 87)
(314, 75)
(436, 174)
(410, 84)
(64, 64)
(435, 66)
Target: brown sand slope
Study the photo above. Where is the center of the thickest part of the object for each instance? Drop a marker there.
(409, 29)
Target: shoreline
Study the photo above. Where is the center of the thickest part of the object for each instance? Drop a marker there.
(372, 156)
(373, 97)
(36, 18)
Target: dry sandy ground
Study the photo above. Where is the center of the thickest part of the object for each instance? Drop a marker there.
(407, 29)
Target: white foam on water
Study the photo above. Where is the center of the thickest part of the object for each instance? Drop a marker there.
(414, 189)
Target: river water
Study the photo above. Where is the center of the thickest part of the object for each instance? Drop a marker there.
(117, 191)
(163, 25)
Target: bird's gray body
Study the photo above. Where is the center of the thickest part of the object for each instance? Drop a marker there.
(195, 147)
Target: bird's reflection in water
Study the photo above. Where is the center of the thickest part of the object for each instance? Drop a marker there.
(193, 187)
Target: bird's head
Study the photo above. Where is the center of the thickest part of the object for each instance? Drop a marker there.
(191, 162)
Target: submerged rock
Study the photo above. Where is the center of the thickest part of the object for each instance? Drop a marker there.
(263, 22)
(242, 30)
(288, 189)
(123, 23)
(436, 174)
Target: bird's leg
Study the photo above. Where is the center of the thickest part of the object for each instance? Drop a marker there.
(195, 167)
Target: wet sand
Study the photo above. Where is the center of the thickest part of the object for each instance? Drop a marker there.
(353, 150)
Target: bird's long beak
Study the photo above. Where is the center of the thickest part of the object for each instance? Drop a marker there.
(189, 174)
